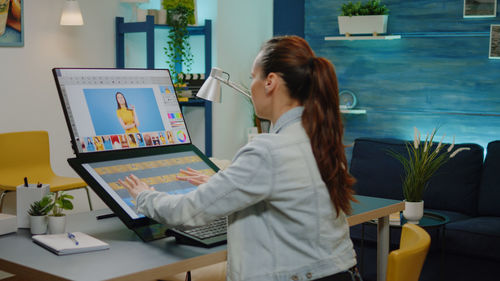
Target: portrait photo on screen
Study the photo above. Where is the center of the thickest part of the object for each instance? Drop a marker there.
(123, 111)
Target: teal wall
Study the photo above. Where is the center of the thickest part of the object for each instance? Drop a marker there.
(437, 75)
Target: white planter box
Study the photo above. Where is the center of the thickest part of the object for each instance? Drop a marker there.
(363, 24)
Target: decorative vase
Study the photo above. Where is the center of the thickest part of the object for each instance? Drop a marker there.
(38, 224)
(363, 24)
(413, 211)
(57, 224)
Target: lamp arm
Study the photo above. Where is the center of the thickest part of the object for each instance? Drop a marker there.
(235, 87)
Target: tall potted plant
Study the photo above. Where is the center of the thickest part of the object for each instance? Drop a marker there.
(420, 163)
(180, 13)
(367, 18)
(57, 220)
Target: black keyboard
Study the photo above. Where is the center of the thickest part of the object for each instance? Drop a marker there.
(209, 235)
(216, 228)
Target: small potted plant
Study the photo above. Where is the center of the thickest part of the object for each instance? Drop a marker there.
(420, 162)
(57, 220)
(368, 18)
(38, 215)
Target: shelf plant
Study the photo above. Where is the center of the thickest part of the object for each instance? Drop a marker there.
(372, 7)
(363, 18)
(180, 13)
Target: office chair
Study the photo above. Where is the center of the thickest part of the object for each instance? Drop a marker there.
(405, 264)
(26, 154)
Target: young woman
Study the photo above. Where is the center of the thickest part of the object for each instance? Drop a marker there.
(286, 193)
(127, 117)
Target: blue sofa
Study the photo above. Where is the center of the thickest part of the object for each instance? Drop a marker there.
(466, 189)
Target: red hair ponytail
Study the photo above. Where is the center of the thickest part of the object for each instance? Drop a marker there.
(313, 82)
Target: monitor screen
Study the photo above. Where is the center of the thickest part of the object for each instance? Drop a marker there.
(116, 109)
(158, 171)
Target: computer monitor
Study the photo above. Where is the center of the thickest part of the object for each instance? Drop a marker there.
(116, 109)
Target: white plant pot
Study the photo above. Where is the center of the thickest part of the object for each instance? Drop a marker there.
(38, 224)
(363, 24)
(414, 211)
(57, 224)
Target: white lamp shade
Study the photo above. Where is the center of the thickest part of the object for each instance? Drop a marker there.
(71, 14)
(210, 90)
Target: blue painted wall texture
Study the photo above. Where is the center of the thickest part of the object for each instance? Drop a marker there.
(437, 75)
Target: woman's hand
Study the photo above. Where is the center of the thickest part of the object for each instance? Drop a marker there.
(192, 176)
(134, 185)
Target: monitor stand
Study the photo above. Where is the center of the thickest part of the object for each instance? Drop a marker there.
(105, 216)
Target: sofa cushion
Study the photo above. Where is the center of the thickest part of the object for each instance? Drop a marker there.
(489, 190)
(376, 172)
(453, 187)
(478, 236)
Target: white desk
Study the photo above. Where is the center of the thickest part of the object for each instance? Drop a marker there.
(131, 259)
(127, 259)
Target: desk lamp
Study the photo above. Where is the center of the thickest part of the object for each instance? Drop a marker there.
(210, 90)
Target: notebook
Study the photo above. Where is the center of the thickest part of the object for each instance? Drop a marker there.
(62, 244)
(129, 121)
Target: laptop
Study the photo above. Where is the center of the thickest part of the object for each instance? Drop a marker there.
(129, 121)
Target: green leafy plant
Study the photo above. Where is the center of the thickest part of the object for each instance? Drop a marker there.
(372, 7)
(421, 162)
(61, 202)
(41, 207)
(180, 13)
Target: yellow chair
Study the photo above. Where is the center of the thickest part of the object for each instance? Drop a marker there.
(26, 154)
(405, 264)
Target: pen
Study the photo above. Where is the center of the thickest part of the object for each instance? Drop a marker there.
(72, 237)
(26, 181)
(39, 184)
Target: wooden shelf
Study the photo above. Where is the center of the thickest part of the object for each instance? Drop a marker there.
(411, 35)
(364, 37)
(149, 27)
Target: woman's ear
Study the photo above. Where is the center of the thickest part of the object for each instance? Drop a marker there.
(271, 82)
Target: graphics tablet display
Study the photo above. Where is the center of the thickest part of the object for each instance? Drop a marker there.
(158, 170)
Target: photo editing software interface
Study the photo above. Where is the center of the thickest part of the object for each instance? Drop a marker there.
(113, 109)
(159, 171)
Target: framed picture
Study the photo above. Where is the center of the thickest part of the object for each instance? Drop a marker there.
(480, 8)
(495, 41)
(11, 23)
